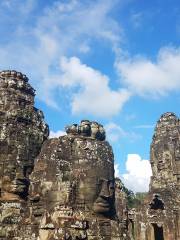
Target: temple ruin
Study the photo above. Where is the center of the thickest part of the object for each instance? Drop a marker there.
(158, 218)
(64, 188)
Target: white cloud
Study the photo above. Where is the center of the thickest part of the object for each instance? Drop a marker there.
(56, 134)
(138, 173)
(147, 78)
(94, 95)
(35, 44)
(63, 29)
(114, 133)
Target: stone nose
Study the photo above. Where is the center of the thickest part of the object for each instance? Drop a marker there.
(105, 189)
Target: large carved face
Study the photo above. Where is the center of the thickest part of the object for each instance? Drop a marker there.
(18, 161)
(104, 203)
(22, 132)
(94, 175)
(15, 182)
(77, 172)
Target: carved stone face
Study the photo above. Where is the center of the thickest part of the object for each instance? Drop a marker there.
(22, 132)
(85, 128)
(73, 129)
(102, 133)
(94, 175)
(76, 172)
(17, 186)
(94, 130)
(15, 183)
(104, 204)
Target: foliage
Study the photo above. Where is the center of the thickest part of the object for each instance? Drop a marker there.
(133, 199)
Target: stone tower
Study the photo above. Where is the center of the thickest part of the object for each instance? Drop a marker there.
(61, 188)
(158, 218)
(165, 153)
(22, 132)
(64, 188)
(72, 186)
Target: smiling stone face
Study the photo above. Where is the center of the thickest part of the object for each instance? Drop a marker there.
(15, 186)
(22, 132)
(104, 204)
(165, 152)
(93, 173)
(80, 172)
(72, 181)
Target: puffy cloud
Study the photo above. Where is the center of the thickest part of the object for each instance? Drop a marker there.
(147, 78)
(94, 95)
(38, 36)
(62, 29)
(138, 173)
(56, 134)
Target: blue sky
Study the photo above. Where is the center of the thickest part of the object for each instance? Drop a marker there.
(116, 62)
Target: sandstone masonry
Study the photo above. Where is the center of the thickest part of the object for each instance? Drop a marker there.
(64, 188)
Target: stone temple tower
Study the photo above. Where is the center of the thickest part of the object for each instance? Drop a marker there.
(22, 132)
(64, 188)
(73, 187)
(159, 217)
(61, 188)
(165, 153)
